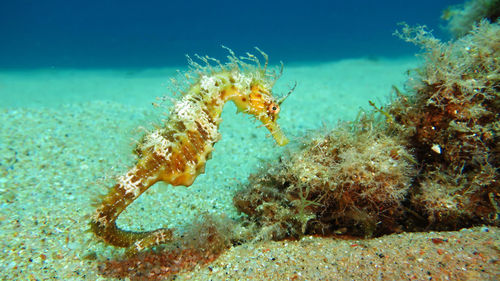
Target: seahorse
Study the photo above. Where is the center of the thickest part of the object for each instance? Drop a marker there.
(176, 153)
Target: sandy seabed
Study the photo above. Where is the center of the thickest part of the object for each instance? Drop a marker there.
(65, 134)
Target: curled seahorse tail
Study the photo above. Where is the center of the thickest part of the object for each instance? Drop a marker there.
(115, 236)
(103, 223)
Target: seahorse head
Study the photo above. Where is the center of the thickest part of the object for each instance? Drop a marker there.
(248, 85)
(260, 102)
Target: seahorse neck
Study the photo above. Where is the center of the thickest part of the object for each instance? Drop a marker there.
(212, 92)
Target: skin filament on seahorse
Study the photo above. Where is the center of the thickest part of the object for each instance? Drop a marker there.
(177, 152)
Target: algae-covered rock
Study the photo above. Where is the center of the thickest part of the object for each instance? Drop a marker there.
(343, 182)
(451, 121)
(433, 164)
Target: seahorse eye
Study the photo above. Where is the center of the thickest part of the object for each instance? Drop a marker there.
(273, 108)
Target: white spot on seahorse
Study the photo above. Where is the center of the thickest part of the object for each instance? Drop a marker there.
(126, 183)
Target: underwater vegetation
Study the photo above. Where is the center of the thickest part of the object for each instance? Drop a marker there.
(201, 243)
(452, 124)
(177, 151)
(433, 163)
(343, 182)
(462, 18)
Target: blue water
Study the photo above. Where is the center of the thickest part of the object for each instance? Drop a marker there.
(123, 33)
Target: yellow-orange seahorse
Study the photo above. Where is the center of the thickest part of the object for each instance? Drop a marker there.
(177, 152)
